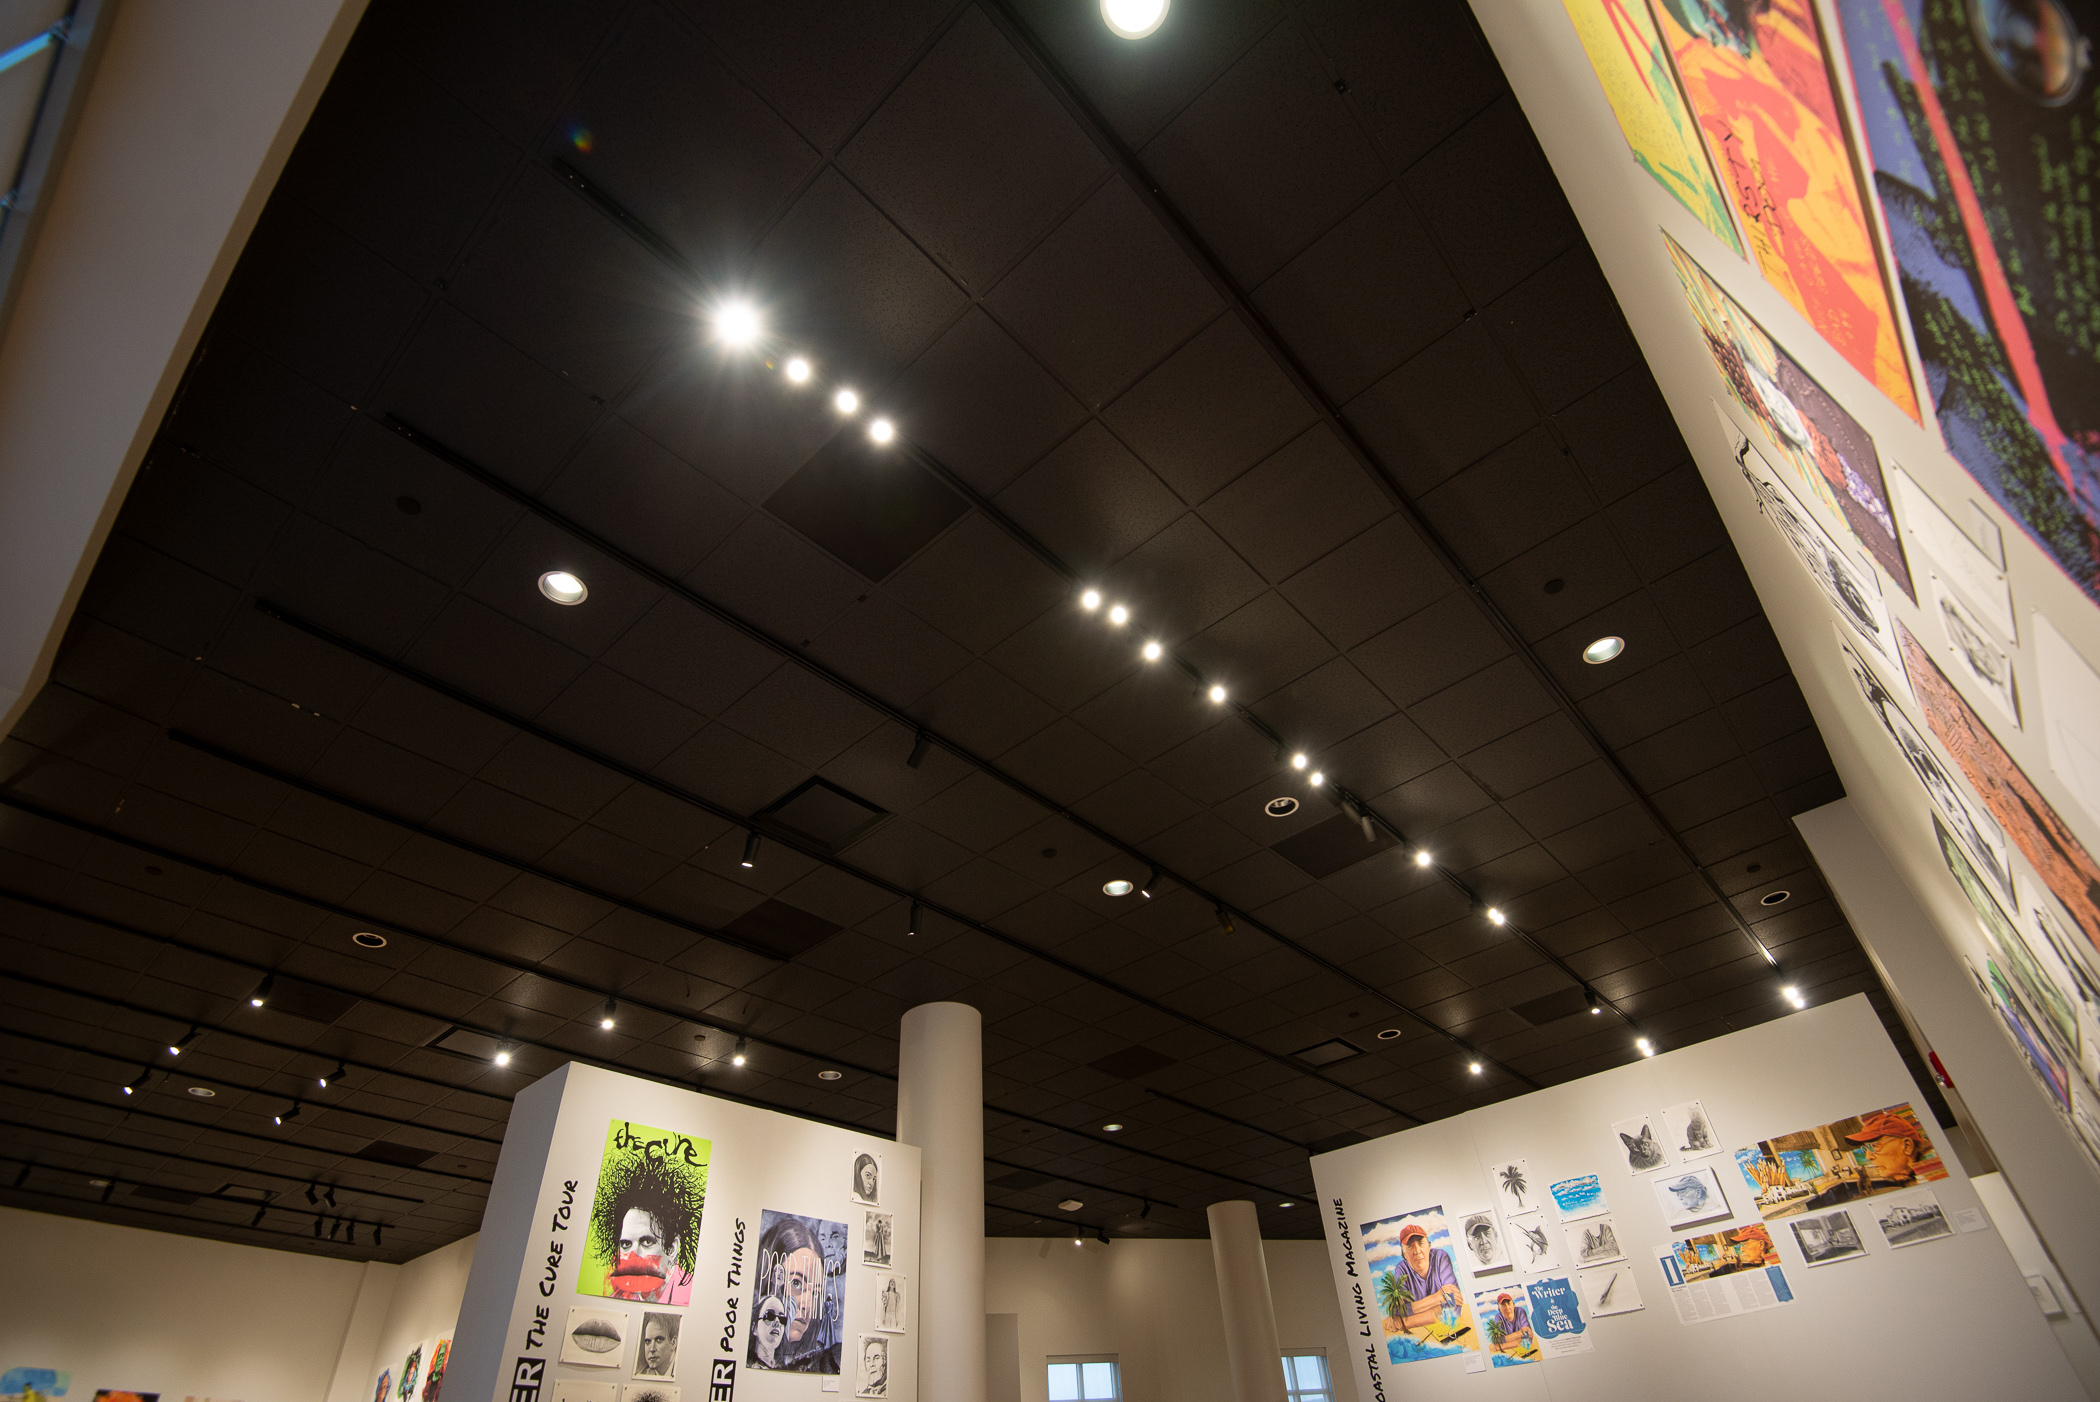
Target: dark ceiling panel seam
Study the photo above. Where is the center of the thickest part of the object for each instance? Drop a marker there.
(157, 1152)
(312, 1242)
(1178, 227)
(805, 849)
(378, 1001)
(1228, 1119)
(800, 657)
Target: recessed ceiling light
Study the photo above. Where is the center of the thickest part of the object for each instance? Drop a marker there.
(1070, 1205)
(1133, 19)
(369, 939)
(1603, 650)
(1422, 859)
(1474, 1067)
(503, 1057)
(1090, 600)
(1217, 695)
(845, 401)
(1119, 615)
(828, 1075)
(1113, 1128)
(1153, 651)
(1776, 898)
(882, 430)
(798, 370)
(1389, 1034)
(563, 587)
(1280, 807)
(1298, 761)
(203, 1092)
(98, 1182)
(1496, 917)
(1316, 778)
(737, 324)
(1286, 1204)
(1118, 887)
(1647, 1047)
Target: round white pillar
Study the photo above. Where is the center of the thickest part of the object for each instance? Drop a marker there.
(940, 1110)
(1243, 1294)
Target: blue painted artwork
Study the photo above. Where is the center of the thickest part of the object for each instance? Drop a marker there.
(1556, 1312)
(39, 1382)
(1578, 1197)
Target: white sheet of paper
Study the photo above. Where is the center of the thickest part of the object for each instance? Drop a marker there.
(1971, 571)
(1640, 1147)
(2070, 712)
(1513, 1187)
(1689, 1196)
(1688, 1131)
(1610, 1290)
(1978, 663)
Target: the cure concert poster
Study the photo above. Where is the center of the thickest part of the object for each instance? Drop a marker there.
(645, 1217)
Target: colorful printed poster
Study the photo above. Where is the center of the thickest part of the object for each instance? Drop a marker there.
(1722, 1274)
(411, 1375)
(2038, 987)
(34, 1384)
(645, 1216)
(1830, 454)
(2049, 846)
(1556, 1312)
(1634, 70)
(1578, 1198)
(1756, 80)
(1972, 148)
(1505, 1313)
(434, 1372)
(2042, 1057)
(799, 1323)
(1414, 1277)
(1882, 1151)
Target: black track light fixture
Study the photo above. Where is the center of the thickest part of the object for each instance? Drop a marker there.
(1103, 1235)
(259, 1215)
(751, 848)
(313, 1192)
(1150, 882)
(739, 1058)
(317, 1227)
(610, 1016)
(23, 1176)
(182, 1044)
(1596, 1003)
(261, 994)
(918, 750)
(328, 1193)
(289, 1114)
(350, 1232)
(912, 925)
(138, 1084)
(377, 1228)
(1225, 920)
(335, 1076)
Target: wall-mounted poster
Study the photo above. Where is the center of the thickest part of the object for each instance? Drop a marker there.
(657, 1354)
(1644, 1152)
(104, 1394)
(1423, 1311)
(1911, 1219)
(1724, 1273)
(595, 1338)
(384, 1392)
(1505, 1313)
(1755, 77)
(867, 1180)
(1689, 1196)
(411, 1375)
(1487, 1250)
(1556, 1312)
(1882, 1151)
(2049, 846)
(889, 1304)
(1513, 1189)
(1688, 1129)
(2038, 987)
(1972, 147)
(1628, 56)
(1595, 1242)
(645, 1216)
(434, 1371)
(877, 1238)
(801, 1275)
(1578, 1197)
(34, 1384)
(1825, 1237)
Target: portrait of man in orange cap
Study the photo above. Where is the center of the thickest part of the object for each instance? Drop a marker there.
(1753, 1246)
(1891, 1147)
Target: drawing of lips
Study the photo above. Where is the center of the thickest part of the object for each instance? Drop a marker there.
(596, 1335)
(636, 1275)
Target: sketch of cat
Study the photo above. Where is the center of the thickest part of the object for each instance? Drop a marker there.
(1697, 1137)
(1690, 1192)
(1642, 1151)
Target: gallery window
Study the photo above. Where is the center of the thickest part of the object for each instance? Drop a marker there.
(1085, 1378)
(1305, 1376)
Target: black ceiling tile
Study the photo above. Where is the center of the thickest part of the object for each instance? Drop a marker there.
(160, 599)
(1529, 756)
(801, 716)
(561, 283)
(1303, 501)
(386, 775)
(612, 863)
(1588, 342)
(1220, 762)
(1090, 501)
(1651, 646)
(1379, 759)
(1064, 762)
(626, 488)
(1421, 655)
(1367, 295)
(1255, 880)
(1067, 657)
(208, 518)
(977, 584)
(1448, 406)
(1647, 701)
(1692, 746)
(1147, 713)
(1182, 580)
(1140, 86)
(1366, 585)
(889, 651)
(690, 656)
(1519, 876)
(1738, 659)
(825, 67)
(1478, 838)
(1257, 648)
(1492, 202)
(976, 402)
(731, 416)
(1333, 702)
(357, 837)
(1415, 72)
(297, 866)
(621, 718)
(971, 155)
(1517, 497)
(1708, 596)
(394, 497)
(985, 709)
(773, 577)
(1211, 410)
(1491, 702)
(701, 897)
(493, 658)
(740, 774)
(1105, 296)
(1622, 433)
(978, 811)
(1199, 845)
(1432, 800)
(307, 294)
(1792, 761)
(532, 767)
(1267, 158)
(903, 853)
(251, 415)
(659, 822)
(1589, 571)
(1762, 715)
(842, 283)
(685, 147)
(1669, 522)
(509, 61)
(1561, 807)
(1635, 871)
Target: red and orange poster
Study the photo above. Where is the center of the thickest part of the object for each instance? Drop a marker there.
(1759, 87)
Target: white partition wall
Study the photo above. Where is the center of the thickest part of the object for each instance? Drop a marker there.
(1940, 1316)
(554, 1313)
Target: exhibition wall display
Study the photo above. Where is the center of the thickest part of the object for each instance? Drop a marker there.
(1752, 1214)
(644, 1243)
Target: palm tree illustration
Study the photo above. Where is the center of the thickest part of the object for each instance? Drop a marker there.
(1513, 1183)
(1392, 1296)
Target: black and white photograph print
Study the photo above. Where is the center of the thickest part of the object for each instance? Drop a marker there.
(889, 1303)
(1827, 1237)
(877, 1235)
(648, 1392)
(1639, 1148)
(1689, 1196)
(1487, 1250)
(874, 1366)
(657, 1354)
(867, 1179)
(594, 1338)
(1978, 658)
(1531, 1245)
(1595, 1242)
(1911, 1218)
(1689, 1131)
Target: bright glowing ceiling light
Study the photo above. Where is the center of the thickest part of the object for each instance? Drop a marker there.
(1153, 652)
(503, 1056)
(882, 430)
(845, 401)
(1090, 600)
(1603, 650)
(1297, 761)
(798, 370)
(1119, 615)
(1647, 1047)
(1496, 917)
(1421, 859)
(1474, 1067)
(737, 324)
(1316, 779)
(563, 587)
(1133, 19)
(1217, 695)
(1117, 887)
(741, 1056)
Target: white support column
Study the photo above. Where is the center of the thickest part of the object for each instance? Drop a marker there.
(940, 1110)
(1243, 1294)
